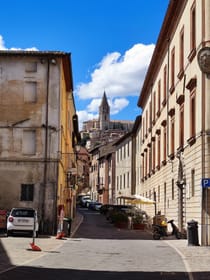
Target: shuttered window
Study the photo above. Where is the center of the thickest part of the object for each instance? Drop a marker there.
(27, 192)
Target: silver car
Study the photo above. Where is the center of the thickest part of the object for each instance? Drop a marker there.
(22, 220)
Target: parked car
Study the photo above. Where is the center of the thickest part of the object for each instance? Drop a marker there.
(128, 209)
(94, 205)
(22, 220)
(104, 208)
(84, 199)
(98, 206)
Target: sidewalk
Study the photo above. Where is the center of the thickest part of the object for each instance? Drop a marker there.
(13, 253)
(195, 258)
(75, 223)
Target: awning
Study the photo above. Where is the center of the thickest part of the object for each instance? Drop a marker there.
(137, 199)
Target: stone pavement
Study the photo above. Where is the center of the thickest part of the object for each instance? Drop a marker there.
(195, 258)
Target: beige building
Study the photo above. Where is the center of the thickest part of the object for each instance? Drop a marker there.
(175, 149)
(102, 174)
(38, 132)
(123, 166)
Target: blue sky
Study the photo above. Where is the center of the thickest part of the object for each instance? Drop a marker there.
(111, 43)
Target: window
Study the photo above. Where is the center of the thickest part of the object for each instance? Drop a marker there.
(172, 189)
(158, 149)
(146, 121)
(164, 144)
(29, 142)
(164, 85)
(143, 127)
(165, 198)
(154, 106)
(192, 27)
(193, 182)
(172, 135)
(146, 163)
(159, 96)
(128, 151)
(27, 192)
(128, 179)
(153, 156)
(117, 155)
(181, 54)
(159, 193)
(31, 67)
(30, 92)
(192, 33)
(142, 169)
(150, 159)
(172, 70)
(150, 115)
(192, 115)
(181, 127)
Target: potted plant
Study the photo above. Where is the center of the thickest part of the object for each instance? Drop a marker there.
(120, 219)
(138, 222)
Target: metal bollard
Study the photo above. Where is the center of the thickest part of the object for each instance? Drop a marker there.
(192, 233)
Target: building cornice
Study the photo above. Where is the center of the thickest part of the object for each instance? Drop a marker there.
(172, 16)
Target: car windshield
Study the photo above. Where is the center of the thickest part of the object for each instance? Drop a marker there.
(23, 213)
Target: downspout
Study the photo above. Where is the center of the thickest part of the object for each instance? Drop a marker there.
(46, 147)
(204, 190)
(167, 97)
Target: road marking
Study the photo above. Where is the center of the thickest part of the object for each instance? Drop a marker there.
(187, 266)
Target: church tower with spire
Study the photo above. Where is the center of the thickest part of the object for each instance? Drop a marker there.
(104, 113)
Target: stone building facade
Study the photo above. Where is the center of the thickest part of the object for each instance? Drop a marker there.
(174, 135)
(38, 128)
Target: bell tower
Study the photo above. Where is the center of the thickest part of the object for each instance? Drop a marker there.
(104, 113)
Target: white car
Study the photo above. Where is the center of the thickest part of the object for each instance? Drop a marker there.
(22, 220)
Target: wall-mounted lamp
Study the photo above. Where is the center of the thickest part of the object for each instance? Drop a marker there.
(53, 61)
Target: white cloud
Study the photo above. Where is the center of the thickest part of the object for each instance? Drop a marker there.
(92, 109)
(94, 105)
(117, 105)
(120, 75)
(2, 46)
(85, 116)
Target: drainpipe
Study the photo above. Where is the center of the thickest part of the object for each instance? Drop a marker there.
(46, 149)
(167, 97)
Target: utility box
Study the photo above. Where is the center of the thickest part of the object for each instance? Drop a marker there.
(192, 233)
(67, 226)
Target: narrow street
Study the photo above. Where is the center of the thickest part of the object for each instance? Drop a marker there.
(99, 250)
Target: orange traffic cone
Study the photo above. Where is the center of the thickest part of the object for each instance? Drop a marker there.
(35, 247)
(60, 235)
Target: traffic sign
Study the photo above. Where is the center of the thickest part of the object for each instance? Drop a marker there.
(205, 182)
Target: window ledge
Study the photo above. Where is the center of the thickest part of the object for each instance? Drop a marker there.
(192, 55)
(191, 140)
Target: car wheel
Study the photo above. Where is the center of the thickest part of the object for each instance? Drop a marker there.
(9, 233)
